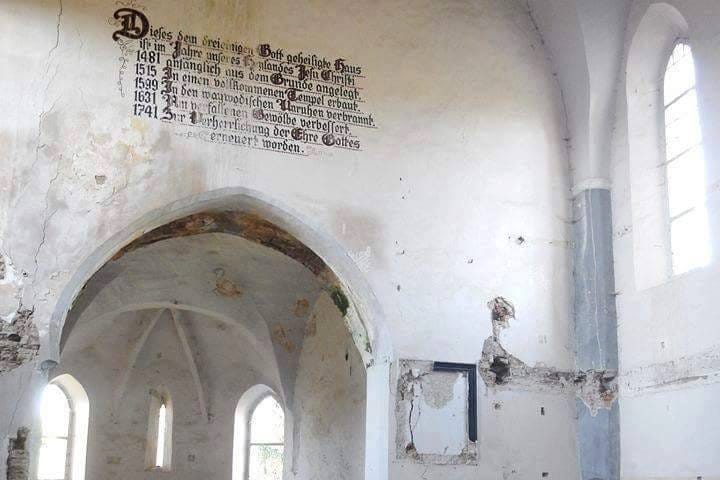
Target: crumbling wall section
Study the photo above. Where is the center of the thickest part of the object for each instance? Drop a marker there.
(500, 369)
(688, 370)
(19, 340)
(431, 409)
(18, 460)
(432, 416)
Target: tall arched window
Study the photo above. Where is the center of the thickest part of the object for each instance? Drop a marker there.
(64, 414)
(55, 445)
(685, 164)
(267, 441)
(259, 436)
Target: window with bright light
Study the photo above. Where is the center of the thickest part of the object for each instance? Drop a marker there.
(267, 439)
(64, 416)
(55, 446)
(160, 450)
(685, 164)
(158, 454)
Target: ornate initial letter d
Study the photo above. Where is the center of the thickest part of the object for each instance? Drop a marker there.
(133, 24)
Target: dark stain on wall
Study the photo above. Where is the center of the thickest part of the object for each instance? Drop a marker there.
(339, 299)
(243, 224)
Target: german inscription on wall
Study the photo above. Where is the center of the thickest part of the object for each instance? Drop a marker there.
(227, 92)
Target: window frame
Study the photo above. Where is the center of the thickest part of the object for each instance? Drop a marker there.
(69, 439)
(244, 409)
(79, 422)
(666, 163)
(248, 428)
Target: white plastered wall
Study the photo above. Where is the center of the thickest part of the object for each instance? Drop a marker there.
(468, 159)
(668, 336)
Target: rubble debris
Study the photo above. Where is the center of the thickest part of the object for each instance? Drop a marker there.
(302, 307)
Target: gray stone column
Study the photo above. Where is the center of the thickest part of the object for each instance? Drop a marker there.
(595, 330)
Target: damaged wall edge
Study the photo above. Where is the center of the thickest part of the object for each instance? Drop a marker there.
(19, 340)
(698, 369)
(421, 391)
(597, 388)
(18, 460)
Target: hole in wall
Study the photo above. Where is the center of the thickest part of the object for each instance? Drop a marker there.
(500, 366)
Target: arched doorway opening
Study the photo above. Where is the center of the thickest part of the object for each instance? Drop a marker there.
(203, 300)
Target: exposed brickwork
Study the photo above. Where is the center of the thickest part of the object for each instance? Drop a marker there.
(18, 462)
(19, 342)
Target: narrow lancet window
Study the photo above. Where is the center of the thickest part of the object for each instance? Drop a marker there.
(158, 455)
(160, 451)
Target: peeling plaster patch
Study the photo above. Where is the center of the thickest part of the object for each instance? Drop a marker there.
(431, 413)
(356, 327)
(18, 460)
(10, 289)
(311, 326)
(701, 368)
(502, 311)
(224, 286)
(500, 369)
(243, 224)
(302, 307)
(19, 341)
(280, 336)
(439, 393)
(597, 389)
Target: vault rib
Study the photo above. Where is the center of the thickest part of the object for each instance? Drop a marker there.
(132, 359)
(191, 363)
